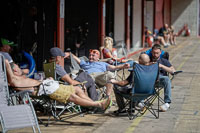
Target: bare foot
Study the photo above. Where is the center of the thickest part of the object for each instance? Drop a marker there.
(105, 103)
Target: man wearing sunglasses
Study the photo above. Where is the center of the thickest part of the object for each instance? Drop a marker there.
(100, 71)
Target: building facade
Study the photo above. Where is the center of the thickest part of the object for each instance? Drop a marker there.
(65, 23)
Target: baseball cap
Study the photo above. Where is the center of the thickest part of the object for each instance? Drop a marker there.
(55, 51)
(7, 42)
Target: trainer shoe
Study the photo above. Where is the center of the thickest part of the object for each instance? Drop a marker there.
(166, 46)
(165, 107)
(141, 105)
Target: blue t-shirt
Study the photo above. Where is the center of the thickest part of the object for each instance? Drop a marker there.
(91, 67)
(148, 52)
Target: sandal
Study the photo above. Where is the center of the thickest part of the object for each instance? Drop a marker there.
(108, 104)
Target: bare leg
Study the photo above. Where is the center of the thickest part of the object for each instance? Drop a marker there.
(19, 81)
(109, 88)
(83, 102)
(81, 94)
(174, 39)
(161, 39)
(166, 38)
(171, 39)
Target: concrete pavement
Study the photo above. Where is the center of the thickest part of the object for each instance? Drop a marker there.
(182, 117)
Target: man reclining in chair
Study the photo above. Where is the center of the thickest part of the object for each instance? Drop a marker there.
(143, 60)
(58, 55)
(62, 93)
(99, 70)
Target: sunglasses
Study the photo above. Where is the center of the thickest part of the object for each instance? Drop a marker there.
(94, 51)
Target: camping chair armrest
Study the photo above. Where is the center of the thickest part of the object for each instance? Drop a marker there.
(177, 72)
(105, 60)
(20, 92)
(81, 84)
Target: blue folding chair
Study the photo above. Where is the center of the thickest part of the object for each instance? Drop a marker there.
(143, 89)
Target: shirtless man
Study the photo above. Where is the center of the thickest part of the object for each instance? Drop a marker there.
(66, 93)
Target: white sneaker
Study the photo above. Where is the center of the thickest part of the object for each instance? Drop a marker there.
(141, 105)
(165, 107)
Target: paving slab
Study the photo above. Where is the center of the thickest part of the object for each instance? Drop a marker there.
(182, 117)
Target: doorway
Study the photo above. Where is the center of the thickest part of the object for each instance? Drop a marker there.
(81, 25)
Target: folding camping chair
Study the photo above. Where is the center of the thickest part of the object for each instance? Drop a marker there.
(122, 52)
(142, 89)
(49, 70)
(14, 116)
(72, 67)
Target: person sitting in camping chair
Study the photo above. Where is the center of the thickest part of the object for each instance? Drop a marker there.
(163, 75)
(58, 56)
(52, 88)
(108, 52)
(143, 60)
(99, 70)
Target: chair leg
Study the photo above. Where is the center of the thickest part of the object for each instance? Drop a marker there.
(158, 104)
(130, 111)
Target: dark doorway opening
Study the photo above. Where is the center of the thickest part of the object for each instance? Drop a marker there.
(30, 24)
(81, 26)
(110, 18)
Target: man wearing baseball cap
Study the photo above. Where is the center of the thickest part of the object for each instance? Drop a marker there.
(5, 45)
(58, 55)
(5, 48)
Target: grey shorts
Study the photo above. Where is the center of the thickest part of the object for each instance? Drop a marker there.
(102, 78)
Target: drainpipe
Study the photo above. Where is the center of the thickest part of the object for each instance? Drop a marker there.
(143, 34)
(60, 23)
(102, 15)
(127, 24)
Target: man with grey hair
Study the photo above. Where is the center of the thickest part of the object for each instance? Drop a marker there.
(99, 71)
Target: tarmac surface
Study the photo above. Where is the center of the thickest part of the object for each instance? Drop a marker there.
(182, 117)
